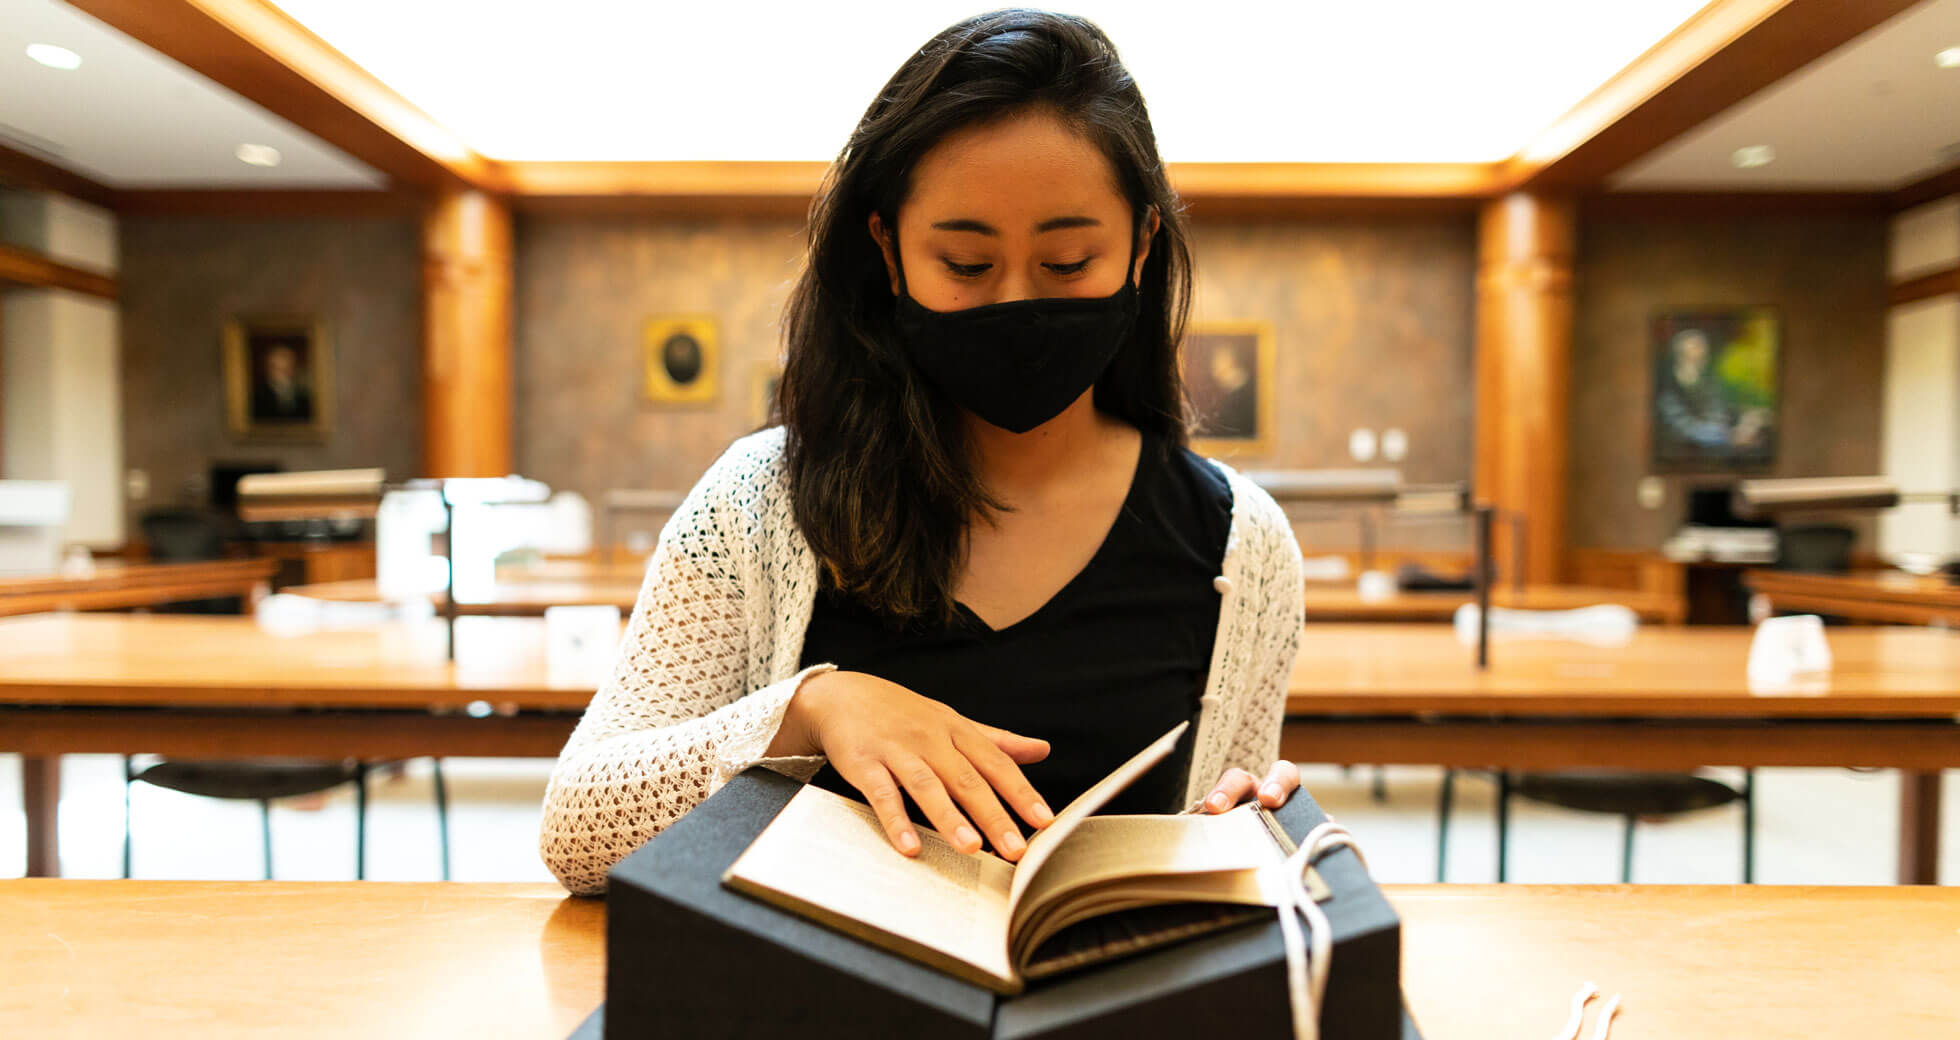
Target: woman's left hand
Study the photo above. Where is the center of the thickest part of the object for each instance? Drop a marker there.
(1236, 785)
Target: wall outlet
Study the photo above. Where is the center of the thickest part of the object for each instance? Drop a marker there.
(1651, 492)
(1395, 444)
(1361, 445)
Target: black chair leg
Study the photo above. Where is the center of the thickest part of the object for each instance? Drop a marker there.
(360, 822)
(1503, 825)
(1444, 797)
(1749, 826)
(265, 833)
(1626, 854)
(1378, 788)
(442, 814)
(129, 781)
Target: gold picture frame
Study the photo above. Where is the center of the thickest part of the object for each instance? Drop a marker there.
(680, 358)
(278, 371)
(763, 378)
(1228, 374)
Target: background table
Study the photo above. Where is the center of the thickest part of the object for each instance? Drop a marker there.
(307, 959)
(116, 586)
(218, 687)
(1344, 603)
(1885, 596)
(1673, 698)
(529, 597)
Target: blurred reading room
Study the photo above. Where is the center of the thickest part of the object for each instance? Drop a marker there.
(619, 518)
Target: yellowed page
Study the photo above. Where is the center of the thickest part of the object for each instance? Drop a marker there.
(1044, 842)
(1111, 848)
(829, 856)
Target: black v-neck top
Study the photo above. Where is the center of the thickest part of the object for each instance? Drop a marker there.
(1111, 662)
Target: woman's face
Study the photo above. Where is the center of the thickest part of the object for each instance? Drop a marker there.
(1012, 210)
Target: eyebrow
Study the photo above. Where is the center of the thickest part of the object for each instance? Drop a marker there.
(1052, 224)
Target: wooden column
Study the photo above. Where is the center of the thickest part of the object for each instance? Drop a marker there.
(466, 336)
(1524, 373)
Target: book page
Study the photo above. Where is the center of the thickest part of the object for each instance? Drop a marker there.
(1043, 843)
(1111, 848)
(829, 856)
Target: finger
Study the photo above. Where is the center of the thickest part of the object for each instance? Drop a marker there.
(922, 782)
(875, 782)
(964, 780)
(1234, 787)
(1281, 781)
(1025, 750)
(1006, 777)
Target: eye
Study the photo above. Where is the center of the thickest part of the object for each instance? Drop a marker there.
(1074, 268)
(965, 270)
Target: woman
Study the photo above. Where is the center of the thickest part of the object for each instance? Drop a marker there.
(977, 566)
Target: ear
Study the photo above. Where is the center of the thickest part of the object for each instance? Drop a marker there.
(1150, 225)
(883, 236)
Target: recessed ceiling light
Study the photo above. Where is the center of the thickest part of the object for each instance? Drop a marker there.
(258, 154)
(54, 57)
(1948, 58)
(1753, 156)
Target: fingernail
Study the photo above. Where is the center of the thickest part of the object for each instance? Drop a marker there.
(1043, 816)
(1012, 844)
(1217, 800)
(1270, 791)
(966, 836)
(908, 842)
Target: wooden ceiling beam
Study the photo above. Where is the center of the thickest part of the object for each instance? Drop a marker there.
(785, 189)
(261, 53)
(1928, 189)
(25, 267)
(263, 203)
(1728, 51)
(36, 174)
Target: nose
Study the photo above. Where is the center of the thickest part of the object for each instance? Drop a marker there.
(1014, 285)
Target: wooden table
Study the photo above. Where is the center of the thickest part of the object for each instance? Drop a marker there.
(1675, 698)
(521, 598)
(116, 586)
(224, 687)
(1888, 596)
(307, 959)
(1345, 603)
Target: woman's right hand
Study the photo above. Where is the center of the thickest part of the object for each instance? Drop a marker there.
(883, 739)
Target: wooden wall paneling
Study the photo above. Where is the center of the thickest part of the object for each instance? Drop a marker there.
(1524, 371)
(466, 340)
(1728, 51)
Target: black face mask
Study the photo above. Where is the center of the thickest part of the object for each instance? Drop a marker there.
(1021, 363)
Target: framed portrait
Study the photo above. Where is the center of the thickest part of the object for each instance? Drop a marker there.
(681, 357)
(1716, 388)
(763, 377)
(1228, 373)
(278, 377)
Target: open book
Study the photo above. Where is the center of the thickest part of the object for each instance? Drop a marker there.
(1087, 889)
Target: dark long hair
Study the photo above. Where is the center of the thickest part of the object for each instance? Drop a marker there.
(878, 464)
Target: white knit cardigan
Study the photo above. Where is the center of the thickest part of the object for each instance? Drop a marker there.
(712, 654)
